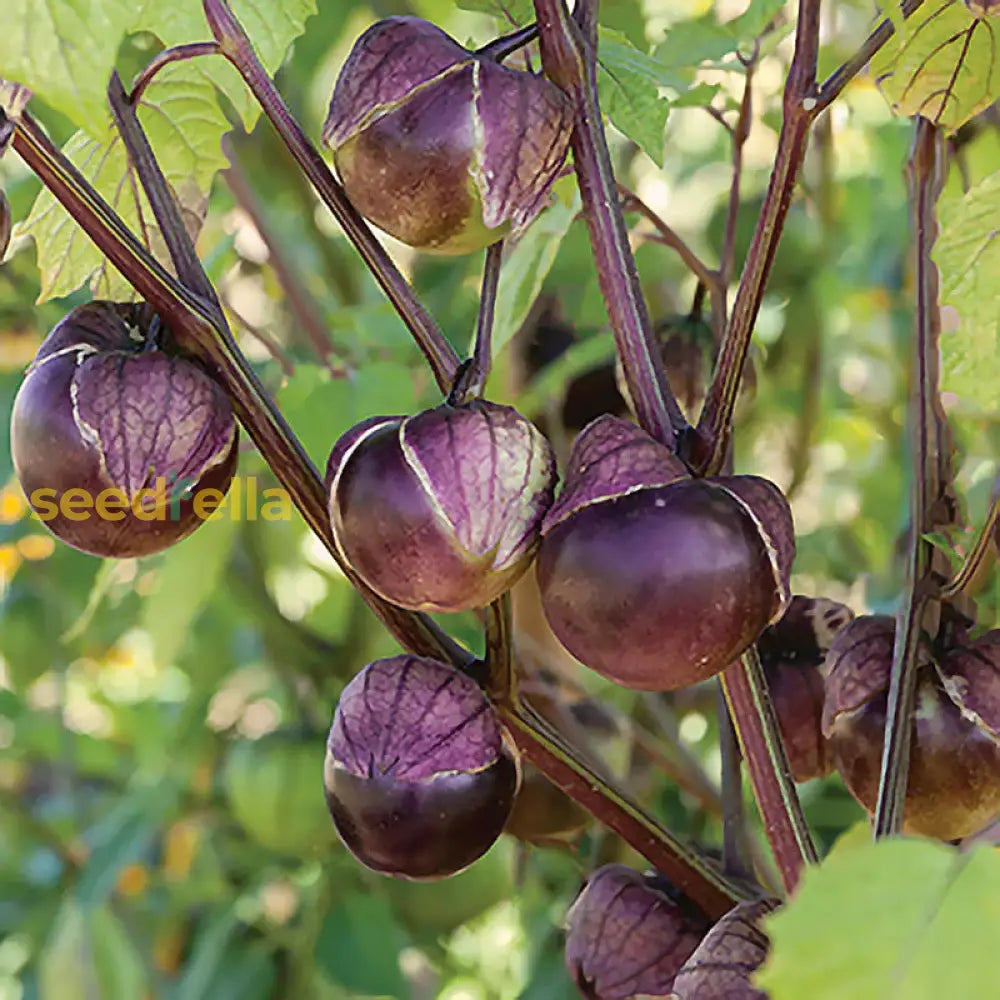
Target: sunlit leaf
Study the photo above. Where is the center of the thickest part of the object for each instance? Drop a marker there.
(968, 255)
(526, 267)
(64, 52)
(945, 66)
(271, 24)
(628, 85)
(182, 118)
(189, 575)
(901, 919)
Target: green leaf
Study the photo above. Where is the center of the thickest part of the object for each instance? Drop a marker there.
(968, 255)
(626, 16)
(901, 919)
(705, 41)
(752, 22)
(271, 24)
(359, 945)
(381, 388)
(64, 52)
(526, 267)
(944, 67)
(628, 86)
(89, 955)
(184, 122)
(512, 11)
(188, 576)
(120, 838)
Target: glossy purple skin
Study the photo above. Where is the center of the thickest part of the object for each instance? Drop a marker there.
(628, 936)
(97, 413)
(723, 964)
(953, 789)
(441, 511)
(417, 776)
(659, 588)
(792, 652)
(440, 148)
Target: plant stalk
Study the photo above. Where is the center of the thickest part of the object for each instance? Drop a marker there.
(237, 48)
(193, 321)
(767, 764)
(984, 548)
(696, 876)
(569, 57)
(482, 352)
(928, 459)
(711, 443)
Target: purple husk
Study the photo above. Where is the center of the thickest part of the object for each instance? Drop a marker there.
(627, 936)
(725, 960)
(413, 719)
(491, 472)
(388, 62)
(612, 457)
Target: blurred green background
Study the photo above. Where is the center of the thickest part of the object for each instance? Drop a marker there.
(162, 721)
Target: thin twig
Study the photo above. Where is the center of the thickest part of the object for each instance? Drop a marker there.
(569, 57)
(768, 767)
(237, 48)
(927, 434)
(669, 237)
(269, 342)
(305, 310)
(482, 352)
(179, 53)
(842, 76)
(740, 134)
(983, 549)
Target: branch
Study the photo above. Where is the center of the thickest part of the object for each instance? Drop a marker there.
(767, 764)
(305, 310)
(237, 48)
(714, 431)
(694, 874)
(843, 75)
(983, 549)
(928, 457)
(478, 371)
(740, 134)
(199, 326)
(668, 236)
(569, 58)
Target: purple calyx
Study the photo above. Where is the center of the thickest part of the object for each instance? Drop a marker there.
(612, 457)
(413, 719)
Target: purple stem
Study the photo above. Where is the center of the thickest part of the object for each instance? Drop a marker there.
(928, 449)
(569, 58)
(237, 48)
(179, 53)
(715, 425)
